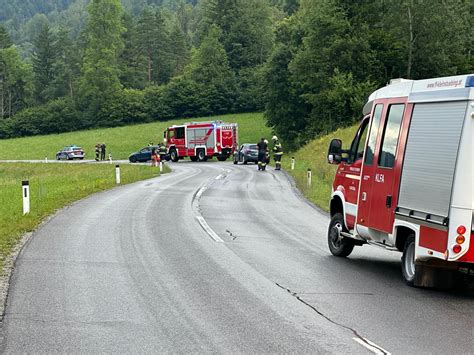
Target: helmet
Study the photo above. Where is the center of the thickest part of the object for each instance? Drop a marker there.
(266, 141)
(274, 138)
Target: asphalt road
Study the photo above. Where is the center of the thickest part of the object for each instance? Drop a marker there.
(217, 258)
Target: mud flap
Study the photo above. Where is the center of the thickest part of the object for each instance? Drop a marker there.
(429, 276)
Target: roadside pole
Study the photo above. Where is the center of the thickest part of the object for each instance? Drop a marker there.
(309, 177)
(117, 174)
(26, 196)
(161, 166)
(292, 163)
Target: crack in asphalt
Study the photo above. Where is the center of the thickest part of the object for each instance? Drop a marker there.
(234, 237)
(295, 295)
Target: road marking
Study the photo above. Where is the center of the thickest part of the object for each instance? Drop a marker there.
(371, 346)
(218, 177)
(200, 192)
(208, 229)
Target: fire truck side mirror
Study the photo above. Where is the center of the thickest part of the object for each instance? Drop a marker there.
(335, 151)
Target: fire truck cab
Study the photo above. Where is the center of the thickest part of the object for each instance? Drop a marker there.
(201, 140)
(406, 182)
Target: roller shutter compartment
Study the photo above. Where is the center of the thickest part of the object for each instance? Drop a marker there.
(430, 159)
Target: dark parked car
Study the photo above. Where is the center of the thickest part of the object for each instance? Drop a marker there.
(246, 153)
(143, 154)
(70, 152)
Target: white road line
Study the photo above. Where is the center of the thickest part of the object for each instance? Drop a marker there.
(208, 229)
(371, 346)
(218, 177)
(200, 192)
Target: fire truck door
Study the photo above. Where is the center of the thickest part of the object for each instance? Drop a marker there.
(378, 185)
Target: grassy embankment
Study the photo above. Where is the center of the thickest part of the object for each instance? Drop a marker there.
(120, 141)
(54, 186)
(314, 156)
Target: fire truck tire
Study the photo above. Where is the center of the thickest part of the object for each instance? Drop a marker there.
(338, 245)
(174, 155)
(201, 155)
(409, 268)
(193, 158)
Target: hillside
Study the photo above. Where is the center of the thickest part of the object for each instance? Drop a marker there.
(314, 156)
(21, 11)
(121, 141)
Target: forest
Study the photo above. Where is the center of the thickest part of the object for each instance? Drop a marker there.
(68, 65)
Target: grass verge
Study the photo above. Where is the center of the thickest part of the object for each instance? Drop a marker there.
(121, 141)
(314, 156)
(52, 186)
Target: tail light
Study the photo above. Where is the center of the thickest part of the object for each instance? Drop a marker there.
(461, 229)
(460, 239)
(457, 248)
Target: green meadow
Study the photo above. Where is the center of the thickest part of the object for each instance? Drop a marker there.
(52, 186)
(121, 141)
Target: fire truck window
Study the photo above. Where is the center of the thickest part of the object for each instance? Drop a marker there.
(369, 155)
(390, 136)
(171, 134)
(357, 146)
(180, 133)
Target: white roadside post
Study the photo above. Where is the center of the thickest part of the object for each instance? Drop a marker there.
(309, 177)
(45, 159)
(110, 158)
(26, 196)
(117, 174)
(161, 166)
(292, 163)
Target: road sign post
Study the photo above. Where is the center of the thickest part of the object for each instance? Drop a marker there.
(26, 196)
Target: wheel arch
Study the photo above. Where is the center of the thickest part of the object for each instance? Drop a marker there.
(402, 230)
(337, 204)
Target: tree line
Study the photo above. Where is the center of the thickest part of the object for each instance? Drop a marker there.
(309, 64)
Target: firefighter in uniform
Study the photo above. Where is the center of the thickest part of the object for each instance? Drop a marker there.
(162, 151)
(262, 154)
(277, 152)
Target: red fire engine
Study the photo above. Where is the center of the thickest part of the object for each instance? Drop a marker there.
(406, 183)
(201, 140)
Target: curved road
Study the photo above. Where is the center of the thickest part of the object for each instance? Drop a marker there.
(216, 258)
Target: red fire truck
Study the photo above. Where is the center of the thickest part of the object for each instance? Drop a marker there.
(201, 140)
(406, 182)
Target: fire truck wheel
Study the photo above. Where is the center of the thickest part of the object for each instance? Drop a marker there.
(339, 245)
(174, 155)
(201, 155)
(409, 268)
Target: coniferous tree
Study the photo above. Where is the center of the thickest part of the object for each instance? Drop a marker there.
(43, 59)
(5, 40)
(153, 39)
(104, 43)
(132, 59)
(67, 67)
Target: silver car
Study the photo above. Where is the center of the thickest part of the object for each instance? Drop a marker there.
(70, 152)
(247, 153)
